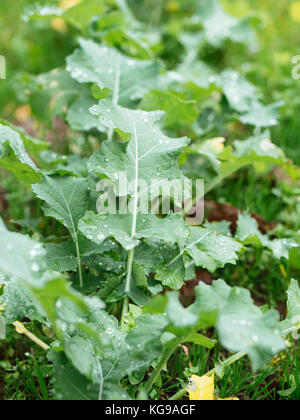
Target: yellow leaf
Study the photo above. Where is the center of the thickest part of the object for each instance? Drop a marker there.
(283, 271)
(295, 11)
(201, 388)
(59, 25)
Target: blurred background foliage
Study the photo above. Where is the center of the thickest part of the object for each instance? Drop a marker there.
(33, 49)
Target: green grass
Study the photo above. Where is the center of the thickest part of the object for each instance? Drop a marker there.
(278, 381)
(24, 370)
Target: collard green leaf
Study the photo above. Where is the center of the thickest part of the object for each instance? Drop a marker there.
(20, 257)
(292, 321)
(127, 78)
(149, 155)
(79, 118)
(52, 94)
(62, 257)
(13, 154)
(82, 13)
(69, 384)
(219, 25)
(245, 98)
(241, 325)
(33, 146)
(240, 93)
(262, 115)
(255, 150)
(20, 302)
(66, 199)
(210, 250)
(171, 275)
(179, 110)
(97, 228)
(248, 233)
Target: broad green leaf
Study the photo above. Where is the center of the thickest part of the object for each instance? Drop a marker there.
(62, 257)
(248, 233)
(20, 257)
(28, 264)
(244, 327)
(210, 250)
(82, 14)
(33, 146)
(262, 115)
(171, 275)
(241, 325)
(51, 94)
(79, 118)
(127, 78)
(253, 151)
(179, 110)
(13, 154)
(66, 199)
(245, 98)
(19, 302)
(240, 93)
(182, 322)
(223, 227)
(292, 320)
(196, 72)
(69, 384)
(149, 155)
(97, 228)
(219, 25)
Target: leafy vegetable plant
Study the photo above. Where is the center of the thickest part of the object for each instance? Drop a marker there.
(107, 284)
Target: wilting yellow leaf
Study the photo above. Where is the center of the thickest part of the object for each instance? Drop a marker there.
(295, 11)
(201, 388)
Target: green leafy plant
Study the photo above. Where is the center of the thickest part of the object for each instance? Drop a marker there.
(107, 284)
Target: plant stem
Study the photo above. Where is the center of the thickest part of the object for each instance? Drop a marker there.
(228, 362)
(218, 180)
(125, 310)
(163, 361)
(78, 259)
(133, 226)
(21, 329)
(116, 92)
